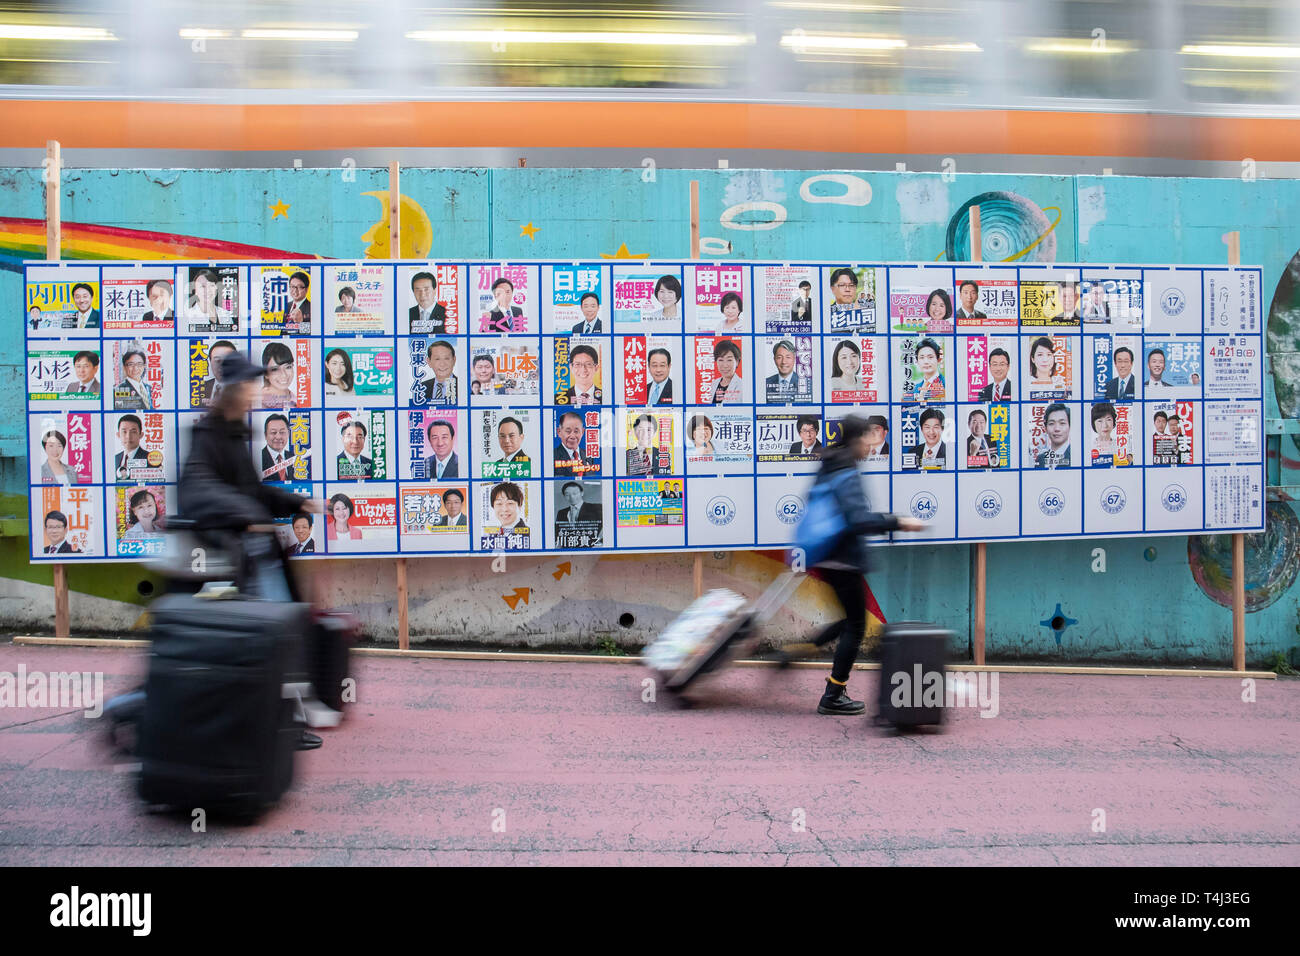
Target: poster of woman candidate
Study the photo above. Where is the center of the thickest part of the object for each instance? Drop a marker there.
(358, 299)
(64, 448)
(212, 299)
(648, 298)
(140, 512)
(361, 518)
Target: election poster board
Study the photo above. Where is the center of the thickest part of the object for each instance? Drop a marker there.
(467, 407)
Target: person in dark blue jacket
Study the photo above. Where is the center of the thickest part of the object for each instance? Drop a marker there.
(847, 562)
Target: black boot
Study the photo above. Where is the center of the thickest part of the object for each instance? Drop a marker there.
(837, 703)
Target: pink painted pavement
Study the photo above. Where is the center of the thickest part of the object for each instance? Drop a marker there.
(586, 772)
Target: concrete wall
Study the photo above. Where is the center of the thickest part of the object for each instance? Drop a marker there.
(1156, 601)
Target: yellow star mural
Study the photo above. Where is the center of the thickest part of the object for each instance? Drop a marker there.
(622, 253)
(281, 208)
(530, 231)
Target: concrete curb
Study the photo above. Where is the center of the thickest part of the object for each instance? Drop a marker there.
(1100, 671)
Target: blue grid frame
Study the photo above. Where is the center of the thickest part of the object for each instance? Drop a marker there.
(544, 486)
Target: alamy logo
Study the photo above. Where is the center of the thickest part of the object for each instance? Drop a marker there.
(720, 510)
(922, 688)
(72, 909)
(64, 690)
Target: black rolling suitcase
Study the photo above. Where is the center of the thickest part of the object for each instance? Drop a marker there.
(218, 728)
(910, 654)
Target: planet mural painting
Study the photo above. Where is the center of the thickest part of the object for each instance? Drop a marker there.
(1012, 228)
(1272, 560)
(1283, 332)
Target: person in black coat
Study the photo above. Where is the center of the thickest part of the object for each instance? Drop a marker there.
(847, 561)
(221, 490)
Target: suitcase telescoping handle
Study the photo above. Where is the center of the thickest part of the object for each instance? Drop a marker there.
(776, 594)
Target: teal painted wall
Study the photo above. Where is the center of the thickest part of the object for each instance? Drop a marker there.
(1146, 605)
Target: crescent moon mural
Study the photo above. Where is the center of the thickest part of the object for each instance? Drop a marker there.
(415, 236)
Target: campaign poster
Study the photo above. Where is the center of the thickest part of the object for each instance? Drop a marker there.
(649, 367)
(65, 521)
(282, 446)
(1113, 369)
(203, 358)
(435, 445)
(921, 368)
(505, 445)
(650, 502)
(988, 300)
(788, 362)
(361, 518)
(788, 437)
(64, 448)
(285, 299)
(503, 297)
(359, 299)
(578, 370)
(1111, 299)
(64, 375)
(1049, 368)
(358, 372)
(910, 308)
(854, 368)
(718, 299)
(434, 367)
(576, 449)
(64, 302)
(1172, 425)
(1171, 364)
(212, 300)
(579, 519)
(1049, 435)
(139, 299)
(1050, 302)
(986, 433)
(1111, 434)
(433, 303)
(647, 299)
(301, 535)
(986, 364)
(516, 369)
(357, 443)
(852, 294)
(573, 299)
(925, 438)
(788, 300)
(434, 510)
(138, 370)
(650, 442)
(139, 514)
(720, 369)
(506, 515)
(1231, 301)
(1232, 366)
(1233, 432)
(718, 441)
(139, 443)
(288, 378)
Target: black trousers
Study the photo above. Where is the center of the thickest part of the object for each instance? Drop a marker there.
(850, 628)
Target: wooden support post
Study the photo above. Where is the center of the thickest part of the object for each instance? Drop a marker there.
(53, 249)
(394, 210)
(1233, 241)
(695, 218)
(981, 549)
(403, 619)
(695, 254)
